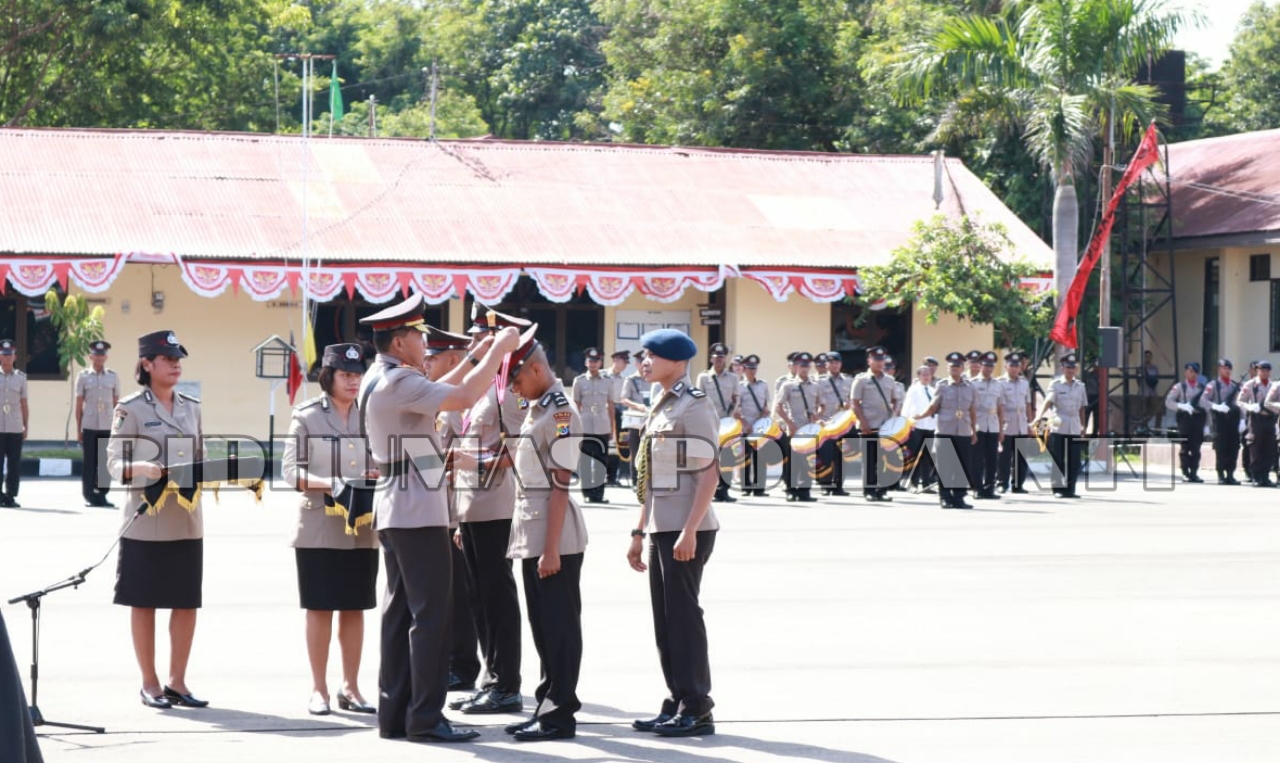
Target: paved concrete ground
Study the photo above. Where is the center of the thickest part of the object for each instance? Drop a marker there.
(1131, 626)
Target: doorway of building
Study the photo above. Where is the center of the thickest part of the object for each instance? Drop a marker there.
(855, 328)
(565, 330)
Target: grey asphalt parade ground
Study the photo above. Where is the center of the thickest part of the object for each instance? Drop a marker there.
(1141, 623)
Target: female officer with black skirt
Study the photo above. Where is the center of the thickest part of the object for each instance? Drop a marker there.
(161, 560)
(337, 571)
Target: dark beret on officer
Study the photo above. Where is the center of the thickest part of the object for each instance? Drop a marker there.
(1225, 362)
(1264, 365)
(671, 344)
(344, 357)
(1194, 366)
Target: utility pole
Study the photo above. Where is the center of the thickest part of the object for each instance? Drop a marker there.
(373, 116)
(431, 90)
(1104, 279)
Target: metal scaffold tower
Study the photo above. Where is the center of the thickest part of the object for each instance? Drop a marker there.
(1146, 289)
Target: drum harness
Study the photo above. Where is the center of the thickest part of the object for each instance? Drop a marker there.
(715, 379)
(754, 399)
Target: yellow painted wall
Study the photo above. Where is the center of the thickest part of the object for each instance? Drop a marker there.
(1245, 308)
(219, 333)
(758, 324)
(949, 334)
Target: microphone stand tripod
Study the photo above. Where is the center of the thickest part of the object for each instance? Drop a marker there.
(33, 601)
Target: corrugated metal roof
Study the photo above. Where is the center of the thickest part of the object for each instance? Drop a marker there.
(241, 196)
(1226, 186)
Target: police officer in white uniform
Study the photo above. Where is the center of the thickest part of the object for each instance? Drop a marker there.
(593, 394)
(13, 422)
(1016, 413)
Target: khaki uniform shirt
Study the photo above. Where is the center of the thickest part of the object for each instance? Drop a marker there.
(724, 397)
(777, 383)
(547, 441)
(13, 390)
(168, 439)
(835, 392)
(100, 392)
(878, 405)
(492, 497)
(755, 401)
(958, 400)
(594, 399)
(987, 404)
(1068, 400)
(799, 398)
(683, 413)
(400, 418)
(324, 445)
(635, 389)
(1014, 398)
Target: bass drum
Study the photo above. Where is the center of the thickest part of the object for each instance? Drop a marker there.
(730, 429)
(806, 439)
(763, 429)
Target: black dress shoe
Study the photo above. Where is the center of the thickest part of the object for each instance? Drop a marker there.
(726, 499)
(540, 732)
(805, 499)
(514, 727)
(494, 702)
(107, 504)
(160, 703)
(186, 700)
(1195, 478)
(444, 733)
(460, 702)
(687, 726)
(962, 505)
(1019, 490)
(840, 492)
(457, 684)
(353, 705)
(650, 724)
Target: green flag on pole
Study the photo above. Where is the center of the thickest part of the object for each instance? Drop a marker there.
(335, 96)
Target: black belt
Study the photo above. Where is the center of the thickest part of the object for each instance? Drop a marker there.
(404, 465)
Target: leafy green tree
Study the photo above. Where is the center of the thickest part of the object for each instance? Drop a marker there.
(740, 73)
(968, 269)
(78, 325)
(457, 116)
(1054, 70)
(1251, 75)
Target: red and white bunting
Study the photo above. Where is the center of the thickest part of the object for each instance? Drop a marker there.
(819, 286)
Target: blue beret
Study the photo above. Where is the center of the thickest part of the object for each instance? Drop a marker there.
(670, 344)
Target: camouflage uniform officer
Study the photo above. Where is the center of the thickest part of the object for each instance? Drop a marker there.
(97, 392)
(720, 385)
(593, 393)
(954, 405)
(1069, 400)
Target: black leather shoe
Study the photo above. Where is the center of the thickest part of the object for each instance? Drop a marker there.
(457, 684)
(444, 733)
(107, 504)
(726, 499)
(650, 724)
(457, 704)
(1019, 490)
(687, 726)
(494, 702)
(840, 492)
(353, 705)
(805, 499)
(962, 505)
(1195, 478)
(186, 700)
(160, 703)
(514, 727)
(540, 732)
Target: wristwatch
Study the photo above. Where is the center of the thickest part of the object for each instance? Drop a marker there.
(474, 360)
(637, 533)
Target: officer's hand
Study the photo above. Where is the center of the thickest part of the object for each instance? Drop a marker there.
(147, 470)
(548, 565)
(635, 554)
(80, 437)
(457, 539)
(1000, 439)
(508, 340)
(686, 546)
(973, 439)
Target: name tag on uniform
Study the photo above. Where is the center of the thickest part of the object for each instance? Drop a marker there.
(153, 424)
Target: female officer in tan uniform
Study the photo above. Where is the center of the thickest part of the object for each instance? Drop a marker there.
(337, 571)
(161, 560)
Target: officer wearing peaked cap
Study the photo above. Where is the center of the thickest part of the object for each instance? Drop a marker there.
(594, 395)
(875, 400)
(400, 406)
(755, 403)
(13, 423)
(797, 405)
(974, 359)
(954, 405)
(1069, 401)
(1016, 412)
(720, 385)
(97, 393)
(987, 407)
(789, 375)
(1261, 398)
(616, 374)
(677, 482)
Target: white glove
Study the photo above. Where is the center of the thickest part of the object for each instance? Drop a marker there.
(1220, 407)
(1185, 408)
(1251, 407)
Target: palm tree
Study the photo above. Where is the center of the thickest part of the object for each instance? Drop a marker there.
(1057, 70)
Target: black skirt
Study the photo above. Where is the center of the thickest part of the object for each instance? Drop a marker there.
(332, 579)
(160, 574)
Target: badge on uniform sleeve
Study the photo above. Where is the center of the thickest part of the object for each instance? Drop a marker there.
(562, 422)
(522, 402)
(119, 422)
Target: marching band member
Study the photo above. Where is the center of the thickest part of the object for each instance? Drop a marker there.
(720, 385)
(1069, 401)
(875, 401)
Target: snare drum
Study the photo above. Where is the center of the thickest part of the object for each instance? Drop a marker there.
(633, 420)
(730, 428)
(763, 429)
(895, 432)
(806, 438)
(839, 426)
